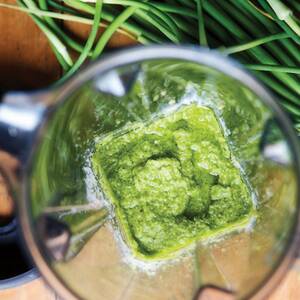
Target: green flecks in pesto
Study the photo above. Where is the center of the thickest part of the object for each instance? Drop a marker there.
(171, 181)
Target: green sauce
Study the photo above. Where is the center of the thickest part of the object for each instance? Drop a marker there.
(171, 181)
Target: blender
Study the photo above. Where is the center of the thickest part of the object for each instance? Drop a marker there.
(68, 226)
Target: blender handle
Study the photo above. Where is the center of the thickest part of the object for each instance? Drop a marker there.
(21, 114)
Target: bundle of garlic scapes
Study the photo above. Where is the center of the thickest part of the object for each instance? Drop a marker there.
(264, 35)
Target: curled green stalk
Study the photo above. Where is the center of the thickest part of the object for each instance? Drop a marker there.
(265, 37)
(179, 10)
(148, 7)
(153, 21)
(255, 29)
(272, 68)
(277, 87)
(111, 29)
(201, 26)
(88, 45)
(55, 41)
(64, 17)
(255, 43)
(259, 53)
(268, 25)
(69, 41)
(86, 8)
(63, 55)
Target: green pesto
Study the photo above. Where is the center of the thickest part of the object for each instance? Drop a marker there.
(171, 181)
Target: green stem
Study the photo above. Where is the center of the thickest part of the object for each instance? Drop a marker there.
(69, 41)
(180, 10)
(281, 23)
(272, 68)
(255, 43)
(251, 25)
(62, 16)
(111, 29)
(88, 46)
(60, 59)
(148, 7)
(270, 25)
(107, 16)
(261, 55)
(53, 39)
(201, 26)
(279, 88)
(170, 35)
(291, 109)
(186, 27)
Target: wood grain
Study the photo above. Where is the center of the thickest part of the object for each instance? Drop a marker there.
(35, 290)
(26, 58)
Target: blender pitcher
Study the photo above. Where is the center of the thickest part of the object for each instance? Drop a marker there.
(68, 223)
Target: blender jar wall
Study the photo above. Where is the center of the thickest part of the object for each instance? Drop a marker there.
(75, 230)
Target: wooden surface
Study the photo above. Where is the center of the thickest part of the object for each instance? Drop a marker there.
(26, 61)
(35, 290)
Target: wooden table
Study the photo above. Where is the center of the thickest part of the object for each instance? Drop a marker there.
(26, 61)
